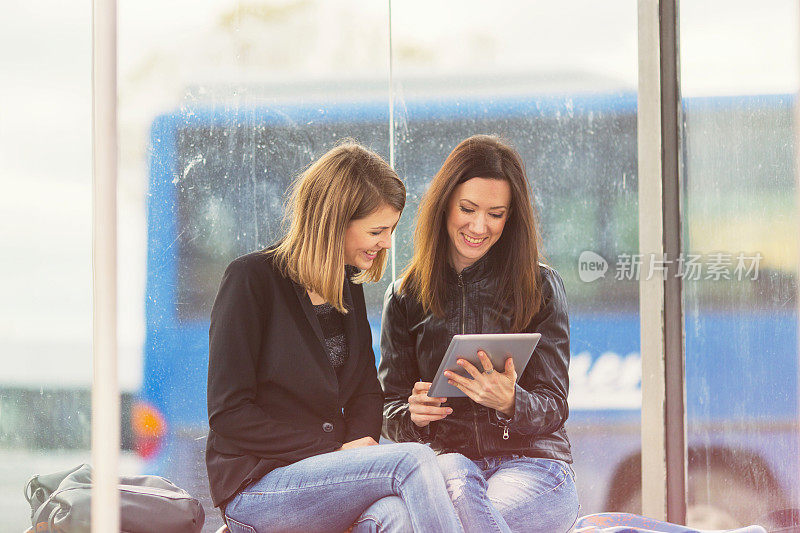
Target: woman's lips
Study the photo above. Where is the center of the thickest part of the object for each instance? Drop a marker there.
(473, 244)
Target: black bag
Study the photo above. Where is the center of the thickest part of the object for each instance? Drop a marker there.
(61, 502)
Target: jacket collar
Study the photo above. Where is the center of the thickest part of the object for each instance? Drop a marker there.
(477, 271)
(348, 322)
(308, 310)
(311, 315)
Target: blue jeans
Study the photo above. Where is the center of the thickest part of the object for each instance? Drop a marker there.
(391, 487)
(515, 492)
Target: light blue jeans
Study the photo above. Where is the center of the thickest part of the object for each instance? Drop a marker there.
(386, 488)
(515, 493)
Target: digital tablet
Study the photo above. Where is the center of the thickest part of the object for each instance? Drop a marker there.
(498, 346)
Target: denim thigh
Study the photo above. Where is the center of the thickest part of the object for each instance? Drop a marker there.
(387, 515)
(326, 492)
(534, 494)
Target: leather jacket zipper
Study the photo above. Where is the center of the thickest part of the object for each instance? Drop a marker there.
(463, 331)
(463, 301)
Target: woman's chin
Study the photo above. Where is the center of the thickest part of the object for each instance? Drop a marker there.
(473, 254)
(365, 264)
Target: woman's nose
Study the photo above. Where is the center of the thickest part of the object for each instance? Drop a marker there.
(478, 225)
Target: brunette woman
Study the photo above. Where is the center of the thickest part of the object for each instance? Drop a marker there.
(476, 269)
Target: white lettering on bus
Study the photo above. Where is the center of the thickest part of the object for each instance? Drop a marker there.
(609, 382)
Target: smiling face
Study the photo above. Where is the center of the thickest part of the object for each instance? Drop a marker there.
(476, 214)
(367, 236)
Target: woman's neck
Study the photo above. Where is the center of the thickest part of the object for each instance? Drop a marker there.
(316, 299)
(459, 264)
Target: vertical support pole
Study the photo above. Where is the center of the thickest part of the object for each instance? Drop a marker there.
(651, 294)
(105, 388)
(391, 128)
(672, 186)
(660, 297)
(796, 128)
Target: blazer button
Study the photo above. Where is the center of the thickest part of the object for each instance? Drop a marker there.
(327, 427)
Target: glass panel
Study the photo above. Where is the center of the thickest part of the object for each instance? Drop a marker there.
(45, 216)
(45, 313)
(562, 90)
(741, 260)
(221, 106)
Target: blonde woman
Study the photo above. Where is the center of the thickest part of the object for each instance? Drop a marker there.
(294, 402)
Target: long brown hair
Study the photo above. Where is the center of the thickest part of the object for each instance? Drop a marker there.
(347, 183)
(517, 250)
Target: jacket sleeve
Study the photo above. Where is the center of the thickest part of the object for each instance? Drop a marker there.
(362, 411)
(398, 371)
(540, 404)
(235, 338)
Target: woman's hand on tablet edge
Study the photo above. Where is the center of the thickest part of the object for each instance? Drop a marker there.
(495, 390)
(424, 409)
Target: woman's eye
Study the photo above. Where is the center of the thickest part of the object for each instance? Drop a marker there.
(497, 215)
(466, 210)
(375, 233)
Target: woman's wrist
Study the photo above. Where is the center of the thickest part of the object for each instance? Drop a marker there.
(508, 411)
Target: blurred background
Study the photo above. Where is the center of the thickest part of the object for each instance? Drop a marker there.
(223, 103)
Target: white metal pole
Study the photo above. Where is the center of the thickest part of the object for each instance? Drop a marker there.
(105, 388)
(664, 456)
(651, 292)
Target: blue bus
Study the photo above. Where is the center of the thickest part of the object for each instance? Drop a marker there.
(218, 178)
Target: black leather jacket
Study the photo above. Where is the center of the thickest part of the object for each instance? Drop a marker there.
(412, 346)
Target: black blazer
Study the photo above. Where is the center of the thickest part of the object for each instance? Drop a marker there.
(273, 397)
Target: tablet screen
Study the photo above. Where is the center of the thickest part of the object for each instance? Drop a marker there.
(498, 346)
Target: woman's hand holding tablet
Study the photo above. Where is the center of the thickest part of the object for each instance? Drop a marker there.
(424, 409)
(487, 379)
(491, 389)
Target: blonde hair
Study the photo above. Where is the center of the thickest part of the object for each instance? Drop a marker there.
(347, 183)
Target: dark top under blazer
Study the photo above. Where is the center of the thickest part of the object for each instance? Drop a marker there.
(273, 397)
